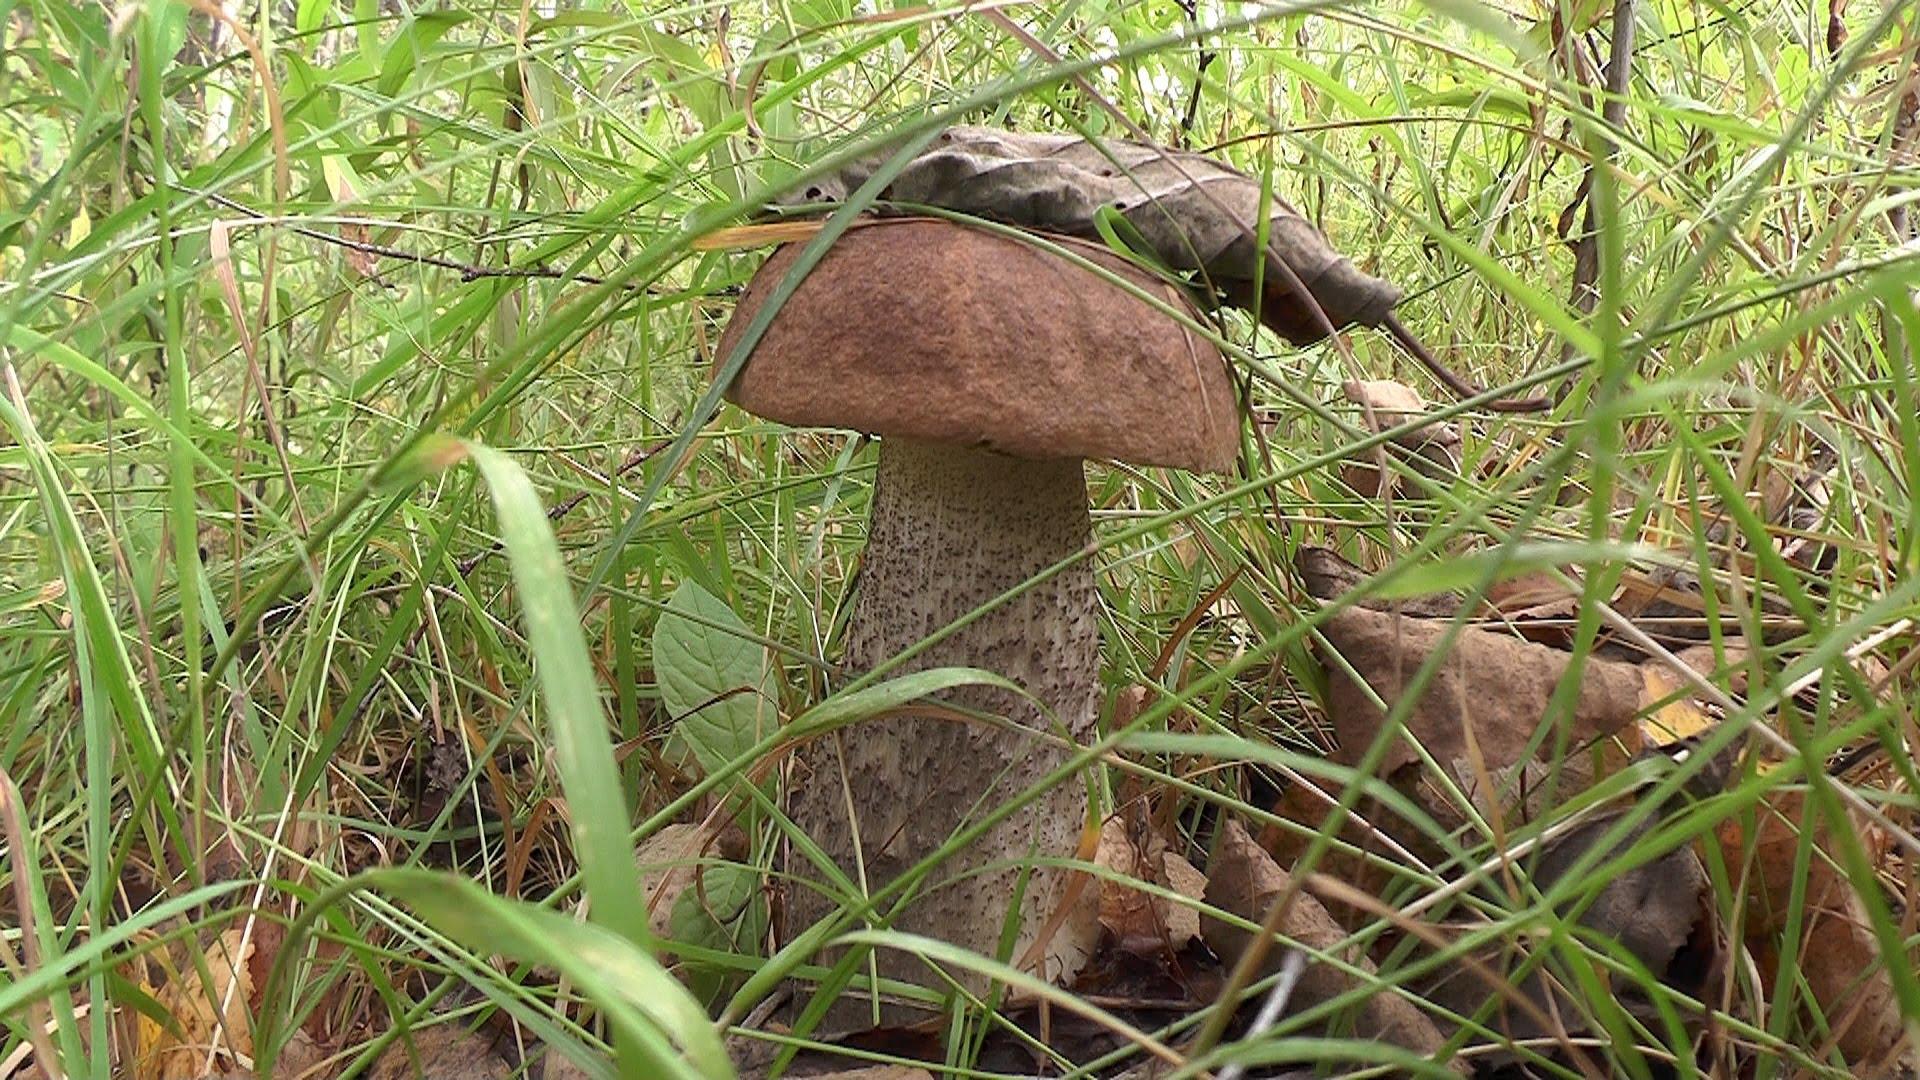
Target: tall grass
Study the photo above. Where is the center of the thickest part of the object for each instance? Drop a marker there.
(262, 628)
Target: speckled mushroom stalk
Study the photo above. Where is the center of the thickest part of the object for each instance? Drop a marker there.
(991, 369)
(950, 530)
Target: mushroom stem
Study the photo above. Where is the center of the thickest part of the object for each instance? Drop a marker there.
(952, 529)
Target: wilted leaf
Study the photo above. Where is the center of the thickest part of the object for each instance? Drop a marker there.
(1193, 212)
(1480, 714)
(1137, 919)
(1244, 880)
(1839, 956)
(695, 898)
(714, 678)
(725, 910)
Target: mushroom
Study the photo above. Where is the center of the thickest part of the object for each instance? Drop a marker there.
(990, 368)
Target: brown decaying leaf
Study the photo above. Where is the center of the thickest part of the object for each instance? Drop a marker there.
(1244, 879)
(1138, 920)
(670, 860)
(1193, 212)
(1385, 404)
(1653, 910)
(1839, 956)
(217, 1012)
(1477, 714)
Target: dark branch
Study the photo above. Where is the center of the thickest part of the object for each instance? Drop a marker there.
(467, 271)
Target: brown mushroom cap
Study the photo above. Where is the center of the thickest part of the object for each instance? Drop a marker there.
(930, 330)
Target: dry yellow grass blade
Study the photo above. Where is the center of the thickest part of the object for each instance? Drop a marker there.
(742, 237)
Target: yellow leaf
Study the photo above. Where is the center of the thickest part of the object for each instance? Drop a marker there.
(1676, 719)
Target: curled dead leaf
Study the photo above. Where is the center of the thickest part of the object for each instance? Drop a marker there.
(1139, 920)
(1244, 880)
(1840, 957)
(1479, 716)
(1384, 405)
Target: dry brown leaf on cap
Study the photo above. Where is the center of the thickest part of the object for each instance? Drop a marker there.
(1384, 405)
(1194, 213)
(1839, 956)
(1139, 920)
(441, 1052)
(1478, 715)
(1244, 880)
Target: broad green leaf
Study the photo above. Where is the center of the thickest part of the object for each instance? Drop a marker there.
(413, 45)
(714, 678)
(723, 910)
(311, 15)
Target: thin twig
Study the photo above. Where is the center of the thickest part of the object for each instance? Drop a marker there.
(1204, 61)
(1585, 294)
(467, 271)
(1291, 965)
(565, 506)
(1418, 350)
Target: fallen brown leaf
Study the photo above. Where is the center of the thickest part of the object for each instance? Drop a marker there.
(1136, 918)
(1384, 405)
(1653, 911)
(212, 1025)
(1244, 879)
(670, 862)
(1840, 957)
(1479, 714)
